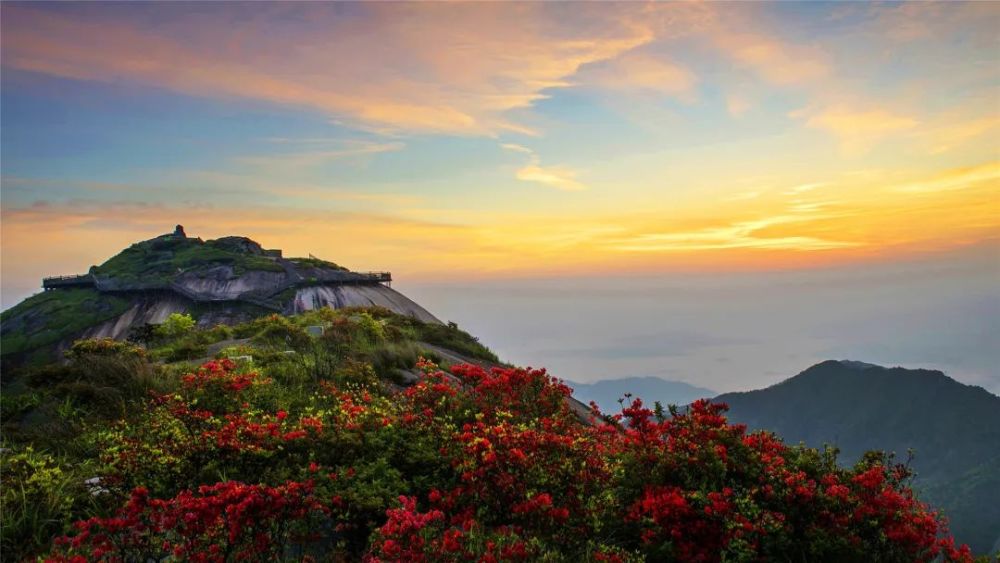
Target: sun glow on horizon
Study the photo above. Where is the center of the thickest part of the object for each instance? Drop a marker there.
(632, 137)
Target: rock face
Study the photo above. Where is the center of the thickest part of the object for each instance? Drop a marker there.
(156, 309)
(338, 296)
(143, 311)
(227, 280)
(221, 283)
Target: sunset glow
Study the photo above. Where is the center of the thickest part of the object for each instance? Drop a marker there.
(443, 141)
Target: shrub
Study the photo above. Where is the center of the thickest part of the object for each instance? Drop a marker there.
(370, 327)
(387, 357)
(219, 332)
(39, 499)
(183, 350)
(176, 325)
(102, 376)
(279, 332)
(235, 351)
(104, 347)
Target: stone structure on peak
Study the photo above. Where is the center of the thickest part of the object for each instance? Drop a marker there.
(226, 280)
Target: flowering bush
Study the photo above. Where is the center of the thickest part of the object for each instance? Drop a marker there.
(220, 522)
(487, 465)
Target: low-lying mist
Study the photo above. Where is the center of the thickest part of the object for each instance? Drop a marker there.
(740, 331)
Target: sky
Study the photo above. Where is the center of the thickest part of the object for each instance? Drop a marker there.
(624, 148)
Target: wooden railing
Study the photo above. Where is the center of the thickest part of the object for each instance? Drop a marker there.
(380, 277)
(81, 280)
(260, 296)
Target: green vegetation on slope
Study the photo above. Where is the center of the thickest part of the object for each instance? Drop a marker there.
(160, 259)
(451, 337)
(49, 414)
(302, 452)
(313, 262)
(44, 319)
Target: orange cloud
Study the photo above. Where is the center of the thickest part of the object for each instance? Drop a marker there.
(953, 132)
(459, 89)
(465, 70)
(558, 177)
(858, 129)
(774, 60)
(645, 73)
(985, 175)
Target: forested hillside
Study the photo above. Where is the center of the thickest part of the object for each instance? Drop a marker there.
(953, 431)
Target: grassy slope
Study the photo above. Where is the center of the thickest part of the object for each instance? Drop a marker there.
(162, 258)
(367, 339)
(317, 263)
(49, 317)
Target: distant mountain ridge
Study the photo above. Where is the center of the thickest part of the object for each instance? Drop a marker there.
(606, 393)
(953, 429)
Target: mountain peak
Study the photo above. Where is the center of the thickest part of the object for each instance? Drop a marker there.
(860, 366)
(219, 281)
(952, 428)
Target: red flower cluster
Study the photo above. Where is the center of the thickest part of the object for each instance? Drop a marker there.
(414, 536)
(239, 433)
(489, 465)
(219, 375)
(218, 523)
(525, 393)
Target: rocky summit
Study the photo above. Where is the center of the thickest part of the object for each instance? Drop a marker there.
(222, 281)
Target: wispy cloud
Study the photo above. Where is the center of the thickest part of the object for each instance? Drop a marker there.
(558, 177)
(985, 174)
(343, 150)
(857, 129)
(803, 188)
(894, 216)
(641, 72)
(328, 62)
(741, 234)
(776, 60)
(209, 186)
(516, 148)
(956, 131)
(658, 85)
(743, 196)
